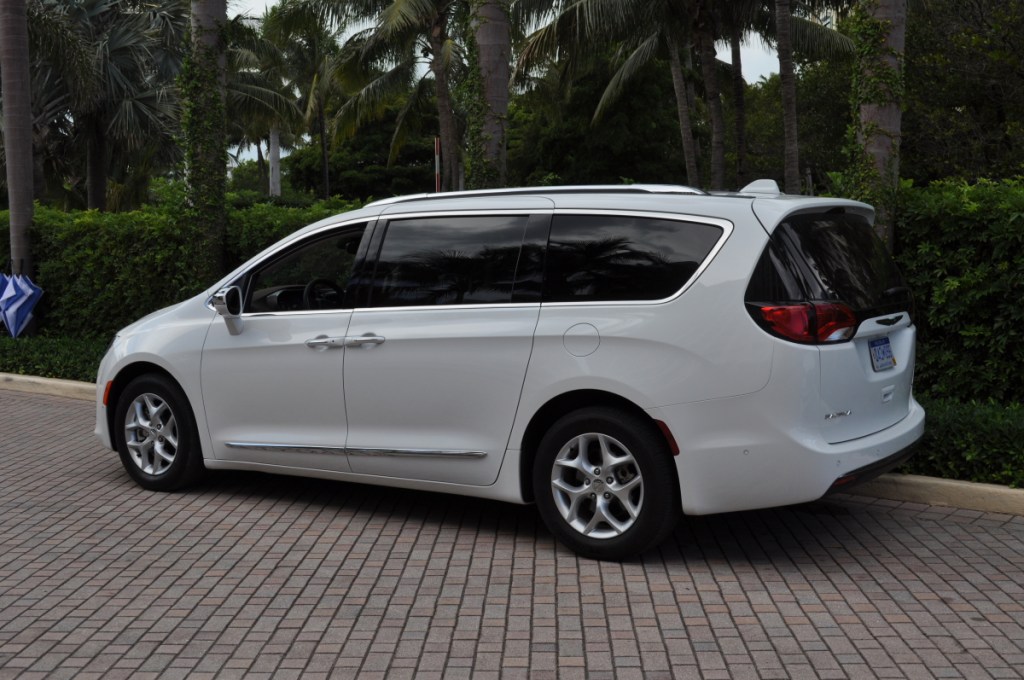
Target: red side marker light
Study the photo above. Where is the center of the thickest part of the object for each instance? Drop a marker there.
(669, 439)
(106, 391)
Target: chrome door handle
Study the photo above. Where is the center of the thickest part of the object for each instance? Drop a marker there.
(322, 342)
(363, 340)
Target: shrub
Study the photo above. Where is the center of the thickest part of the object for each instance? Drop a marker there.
(975, 441)
(961, 247)
(67, 358)
(101, 271)
(253, 228)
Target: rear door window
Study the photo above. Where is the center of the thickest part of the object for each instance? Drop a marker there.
(837, 257)
(602, 258)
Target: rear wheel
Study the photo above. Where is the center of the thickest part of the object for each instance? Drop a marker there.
(605, 483)
(156, 434)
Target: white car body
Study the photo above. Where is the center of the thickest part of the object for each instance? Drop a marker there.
(455, 398)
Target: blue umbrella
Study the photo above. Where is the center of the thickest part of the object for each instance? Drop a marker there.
(3, 294)
(17, 301)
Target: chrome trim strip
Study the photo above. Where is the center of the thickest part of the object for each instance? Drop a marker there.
(341, 451)
(416, 453)
(287, 448)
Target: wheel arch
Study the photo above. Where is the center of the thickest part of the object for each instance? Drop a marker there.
(555, 408)
(124, 378)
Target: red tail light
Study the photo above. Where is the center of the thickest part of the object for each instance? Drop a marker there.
(815, 323)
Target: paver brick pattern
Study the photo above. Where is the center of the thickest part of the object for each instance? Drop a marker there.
(254, 576)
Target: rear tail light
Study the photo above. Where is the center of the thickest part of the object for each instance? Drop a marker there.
(812, 322)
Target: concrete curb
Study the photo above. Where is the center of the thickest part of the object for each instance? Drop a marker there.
(945, 492)
(50, 386)
(897, 487)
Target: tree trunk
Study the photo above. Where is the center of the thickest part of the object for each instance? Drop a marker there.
(17, 129)
(325, 170)
(96, 165)
(446, 117)
(275, 162)
(205, 123)
(494, 48)
(787, 75)
(881, 121)
(739, 89)
(713, 93)
(683, 113)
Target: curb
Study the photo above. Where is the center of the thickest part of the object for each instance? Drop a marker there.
(944, 492)
(897, 487)
(72, 389)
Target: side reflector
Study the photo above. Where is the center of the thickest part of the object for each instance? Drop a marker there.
(106, 391)
(667, 433)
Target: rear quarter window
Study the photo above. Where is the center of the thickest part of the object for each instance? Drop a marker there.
(604, 258)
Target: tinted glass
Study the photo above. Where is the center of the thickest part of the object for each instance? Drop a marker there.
(841, 259)
(313, 275)
(613, 257)
(448, 261)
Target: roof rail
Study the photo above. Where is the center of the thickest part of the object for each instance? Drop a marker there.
(526, 191)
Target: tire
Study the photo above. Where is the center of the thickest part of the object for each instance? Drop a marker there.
(596, 518)
(155, 433)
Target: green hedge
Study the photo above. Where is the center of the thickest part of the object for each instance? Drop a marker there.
(961, 247)
(974, 441)
(76, 359)
(101, 271)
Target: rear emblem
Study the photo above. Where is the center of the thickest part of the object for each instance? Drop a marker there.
(837, 414)
(892, 321)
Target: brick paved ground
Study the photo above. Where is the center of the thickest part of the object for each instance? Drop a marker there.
(254, 576)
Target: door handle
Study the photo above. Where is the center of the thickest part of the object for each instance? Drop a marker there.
(363, 340)
(322, 342)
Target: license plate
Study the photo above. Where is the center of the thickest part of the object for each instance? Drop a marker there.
(881, 354)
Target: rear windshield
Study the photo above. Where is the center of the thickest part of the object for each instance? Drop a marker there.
(831, 256)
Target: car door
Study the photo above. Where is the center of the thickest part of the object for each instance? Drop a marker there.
(274, 392)
(445, 338)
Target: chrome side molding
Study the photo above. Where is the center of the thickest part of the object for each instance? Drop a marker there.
(341, 451)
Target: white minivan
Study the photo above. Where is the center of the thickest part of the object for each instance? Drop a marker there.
(615, 354)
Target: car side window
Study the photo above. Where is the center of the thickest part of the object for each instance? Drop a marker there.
(604, 258)
(451, 260)
(313, 275)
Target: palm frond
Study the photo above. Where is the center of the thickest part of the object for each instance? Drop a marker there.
(633, 64)
(815, 41)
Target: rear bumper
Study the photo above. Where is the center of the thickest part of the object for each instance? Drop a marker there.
(743, 454)
(872, 470)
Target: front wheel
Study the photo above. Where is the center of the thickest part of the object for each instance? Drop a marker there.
(605, 483)
(156, 434)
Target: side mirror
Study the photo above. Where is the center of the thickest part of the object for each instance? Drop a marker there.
(228, 303)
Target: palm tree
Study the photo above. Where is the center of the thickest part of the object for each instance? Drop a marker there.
(787, 76)
(881, 117)
(204, 121)
(739, 18)
(384, 64)
(136, 56)
(643, 29)
(707, 29)
(799, 33)
(311, 59)
(493, 41)
(259, 102)
(17, 128)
